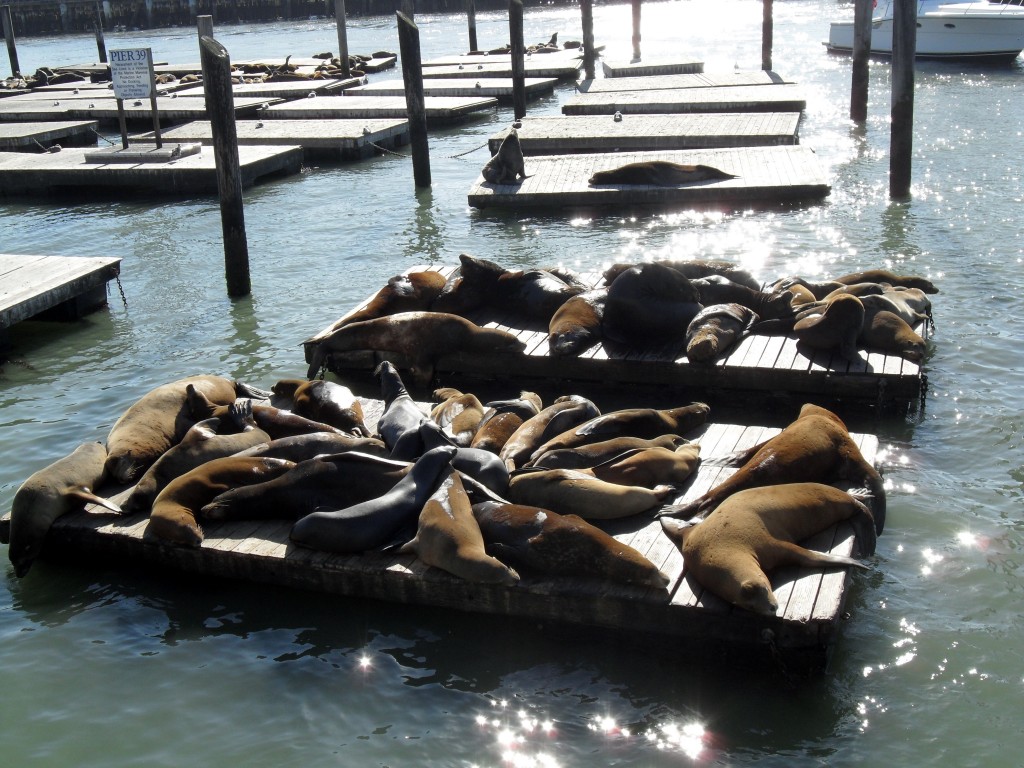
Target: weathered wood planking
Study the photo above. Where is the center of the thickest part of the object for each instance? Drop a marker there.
(810, 600)
(651, 67)
(347, 139)
(669, 82)
(31, 284)
(537, 66)
(774, 365)
(499, 88)
(104, 109)
(765, 175)
(22, 173)
(287, 90)
(602, 133)
(573, 57)
(740, 98)
(27, 137)
(439, 109)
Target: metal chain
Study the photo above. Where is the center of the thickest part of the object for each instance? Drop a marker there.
(100, 135)
(120, 288)
(468, 151)
(385, 150)
(49, 150)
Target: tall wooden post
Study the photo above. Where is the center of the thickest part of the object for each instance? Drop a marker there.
(12, 48)
(221, 110)
(515, 31)
(101, 46)
(412, 75)
(636, 30)
(861, 54)
(901, 138)
(204, 26)
(589, 54)
(341, 21)
(767, 35)
(471, 19)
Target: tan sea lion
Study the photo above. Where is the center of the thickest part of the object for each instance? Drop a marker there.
(420, 337)
(755, 531)
(887, 276)
(649, 467)
(888, 332)
(448, 537)
(576, 325)
(325, 402)
(173, 518)
(837, 327)
(276, 422)
(575, 492)
(565, 412)
(502, 418)
(659, 173)
(531, 539)
(50, 492)
(716, 330)
(815, 447)
(508, 164)
(595, 453)
(458, 414)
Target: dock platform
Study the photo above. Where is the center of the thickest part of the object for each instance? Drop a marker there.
(536, 66)
(669, 82)
(35, 137)
(22, 173)
(601, 133)
(293, 89)
(740, 98)
(625, 68)
(65, 286)
(811, 601)
(440, 110)
(170, 109)
(764, 175)
(499, 88)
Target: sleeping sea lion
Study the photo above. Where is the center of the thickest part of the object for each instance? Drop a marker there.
(888, 332)
(595, 453)
(326, 402)
(659, 173)
(502, 418)
(887, 276)
(302, 447)
(837, 327)
(508, 163)
(696, 269)
(716, 330)
(458, 414)
(649, 304)
(565, 412)
(716, 289)
(576, 325)
(756, 531)
(576, 492)
(276, 422)
(649, 467)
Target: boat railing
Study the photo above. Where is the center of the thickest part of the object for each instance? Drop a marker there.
(884, 8)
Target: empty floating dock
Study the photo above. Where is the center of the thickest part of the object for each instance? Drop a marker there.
(652, 67)
(171, 110)
(537, 66)
(34, 137)
(439, 109)
(499, 88)
(669, 82)
(740, 98)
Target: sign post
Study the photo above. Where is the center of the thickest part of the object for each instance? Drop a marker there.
(131, 71)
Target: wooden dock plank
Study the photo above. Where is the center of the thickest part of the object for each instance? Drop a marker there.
(439, 109)
(614, 68)
(32, 284)
(748, 98)
(499, 88)
(669, 82)
(535, 66)
(552, 58)
(288, 90)
(170, 110)
(34, 137)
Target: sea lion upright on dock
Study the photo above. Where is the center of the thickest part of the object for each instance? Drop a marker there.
(508, 164)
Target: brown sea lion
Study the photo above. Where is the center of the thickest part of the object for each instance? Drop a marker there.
(696, 269)
(837, 327)
(716, 330)
(458, 414)
(420, 337)
(887, 332)
(508, 164)
(756, 531)
(716, 289)
(565, 412)
(649, 304)
(815, 447)
(576, 492)
(595, 453)
(502, 418)
(448, 537)
(325, 402)
(576, 325)
(276, 422)
(302, 447)
(659, 173)
(887, 276)
(649, 467)
(531, 539)
(173, 518)
(50, 492)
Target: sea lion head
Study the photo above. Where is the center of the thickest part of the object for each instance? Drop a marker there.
(755, 594)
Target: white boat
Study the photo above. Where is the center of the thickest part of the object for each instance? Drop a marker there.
(945, 30)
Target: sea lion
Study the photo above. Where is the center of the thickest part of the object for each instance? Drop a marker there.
(716, 289)
(371, 523)
(755, 531)
(458, 414)
(658, 173)
(420, 337)
(302, 447)
(887, 276)
(502, 418)
(696, 269)
(565, 412)
(576, 325)
(448, 537)
(483, 466)
(595, 453)
(276, 422)
(158, 420)
(815, 447)
(629, 422)
(399, 424)
(575, 492)
(326, 402)
(911, 304)
(202, 443)
(531, 539)
(508, 163)
(835, 328)
(174, 513)
(888, 332)
(649, 304)
(649, 467)
(716, 330)
(51, 492)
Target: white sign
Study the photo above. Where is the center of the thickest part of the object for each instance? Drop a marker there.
(132, 72)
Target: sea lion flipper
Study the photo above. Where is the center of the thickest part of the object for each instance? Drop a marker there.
(797, 555)
(676, 530)
(85, 495)
(248, 390)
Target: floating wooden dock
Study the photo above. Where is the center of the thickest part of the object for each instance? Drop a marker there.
(601, 133)
(554, 59)
(338, 139)
(811, 601)
(740, 98)
(291, 89)
(69, 286)
(22, 173)
(170, 109)
(652, 67)
(768, 366)
(499, 88)
(669, 82)
(35, 137)
(537, 66)
(764, 175)
(439, 109)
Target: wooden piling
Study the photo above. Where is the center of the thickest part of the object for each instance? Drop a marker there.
(101, 46)
(767, 35)
(636, 30)
(204, 28)
(589, 54)
(340, 20)
(471, 20)
(901, 138)
(412, 75)
(220, 107)
(515, 31)
(12, 48)
(861, 52)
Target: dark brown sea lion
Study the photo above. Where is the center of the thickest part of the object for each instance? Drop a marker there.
(508, 164)
(716, 289)
(649, 304)
(276, 422)
(695, 269)
(448, 537)
(576, 325)
(173, 518)
(595, 453)
(887, 276)
(659, 173)
(756, 531)
(325, 402)
(815, 447)
(49, 493)
(420, 337)
(302, 447)
(837, 327)
(458, 414)
(887, 332)
(562, 414)
(531, 539)
(716, 330)
(502, 418)
(576, 492)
